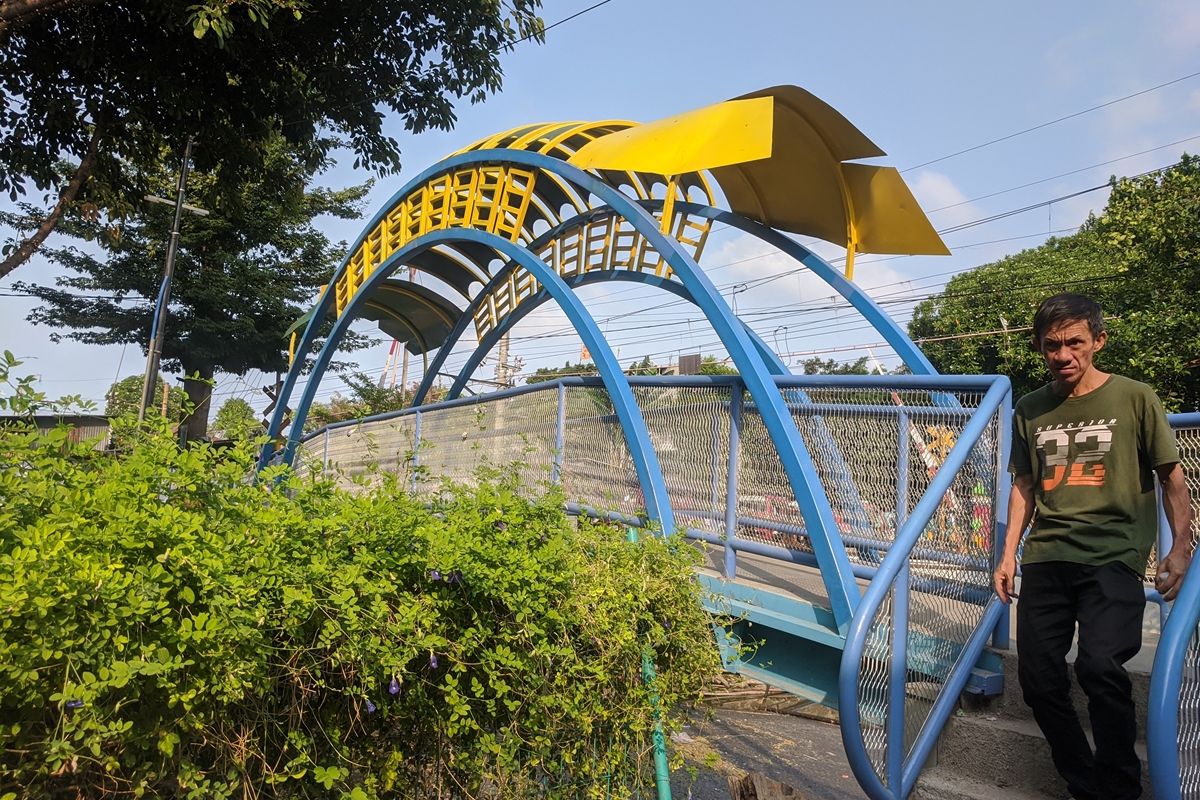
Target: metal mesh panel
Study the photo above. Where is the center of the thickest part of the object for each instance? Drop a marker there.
(512, 433)
(689, 428)
(1189, 689)
(949, 569)
(764, 493)
(351, 453)
(873, 674)
(854, 437)
(949, 596)
(597, 468)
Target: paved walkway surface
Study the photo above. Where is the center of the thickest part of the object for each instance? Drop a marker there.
(804, 754)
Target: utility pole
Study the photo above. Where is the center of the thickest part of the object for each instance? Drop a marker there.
(502, 362)
(412, 272)
(158, 327)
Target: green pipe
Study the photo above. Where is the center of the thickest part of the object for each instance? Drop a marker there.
(662, 769)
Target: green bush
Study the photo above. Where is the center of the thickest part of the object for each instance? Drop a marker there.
(170, 628)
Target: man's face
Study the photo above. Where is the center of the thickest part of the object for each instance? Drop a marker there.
(1069, 348)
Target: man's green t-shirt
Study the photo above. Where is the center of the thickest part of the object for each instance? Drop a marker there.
(1092, 459)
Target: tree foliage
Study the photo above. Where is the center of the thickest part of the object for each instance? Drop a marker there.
(236, 420)
(128, 81)
(365, 398)
(171, 629)
(567, 370)
(828, 366)
(124, 396)
(710, 366)
(241, 276)
(1140, 258)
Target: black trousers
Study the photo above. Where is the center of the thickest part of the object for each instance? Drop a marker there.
(1107, 601)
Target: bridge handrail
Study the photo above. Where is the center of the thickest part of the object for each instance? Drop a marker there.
(916, 382)
(892, 566)
(1166, 678)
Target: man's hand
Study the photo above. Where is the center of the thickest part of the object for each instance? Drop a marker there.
(1003, 579)
(1168, 577)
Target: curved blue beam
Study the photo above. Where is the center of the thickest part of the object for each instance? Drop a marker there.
(645, 461)
(798, 465)
(879, 319)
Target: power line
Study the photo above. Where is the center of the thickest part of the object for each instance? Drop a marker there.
(1006, 137)
(1065, 174)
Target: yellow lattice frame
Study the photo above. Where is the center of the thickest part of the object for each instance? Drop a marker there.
(492, 198)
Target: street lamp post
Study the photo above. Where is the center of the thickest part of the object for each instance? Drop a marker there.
(158, 326)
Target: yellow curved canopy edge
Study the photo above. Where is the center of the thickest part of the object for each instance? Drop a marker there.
(733, 132)
(778, 155)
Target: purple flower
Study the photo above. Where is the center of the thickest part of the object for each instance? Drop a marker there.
(433, 661)
(666, 623)
(434, 575)
(501, 525)
(455, 577)
(371, 707)
(74, 704)
(394, 687)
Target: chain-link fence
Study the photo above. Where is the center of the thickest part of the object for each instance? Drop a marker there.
(1188, 738)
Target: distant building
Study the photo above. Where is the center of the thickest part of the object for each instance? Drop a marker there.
(84, 427)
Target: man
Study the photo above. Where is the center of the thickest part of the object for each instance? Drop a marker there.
(1085, 450)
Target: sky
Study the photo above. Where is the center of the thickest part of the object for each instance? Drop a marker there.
(923, 80)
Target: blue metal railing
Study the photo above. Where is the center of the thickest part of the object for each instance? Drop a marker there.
(904, 764)
(1175, 774)
(881, 560)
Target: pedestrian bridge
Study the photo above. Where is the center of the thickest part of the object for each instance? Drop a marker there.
(848, 524)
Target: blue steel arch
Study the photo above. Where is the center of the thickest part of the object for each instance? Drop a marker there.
(909, 353)
(879, 319)
(776, 366)
(492, 337)
(645, 460)
(798, 465)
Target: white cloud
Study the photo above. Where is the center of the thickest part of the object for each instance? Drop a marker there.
(1180, 25)
(942, 200)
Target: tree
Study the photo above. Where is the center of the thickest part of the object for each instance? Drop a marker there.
(124, 397)
(128, 81)
(366, 398)
(567, 370)
(644, 367)
(241, 278)
(710, 366)
(236, 420)
(828, 366)
(372, 397)
(1150, 234)
(1138, 258)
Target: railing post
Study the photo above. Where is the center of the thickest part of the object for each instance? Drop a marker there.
(1165, 543)
(560, 437)
(1001, 634)
(325, 454)
(715, 461)
(897, 683)
(902, 477)
(731, 478)
(416, 452)
(662, 769)
(898, 674)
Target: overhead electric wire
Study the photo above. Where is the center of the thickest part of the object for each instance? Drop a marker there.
(1064, 174)
(1048, 123)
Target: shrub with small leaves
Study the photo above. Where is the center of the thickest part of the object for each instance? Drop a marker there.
(171, 628)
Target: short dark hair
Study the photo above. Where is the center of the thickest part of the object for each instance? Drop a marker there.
(1067, 307)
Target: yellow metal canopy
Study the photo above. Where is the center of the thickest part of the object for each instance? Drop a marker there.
(779, 156)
